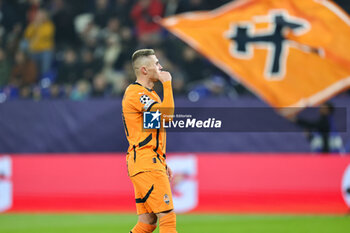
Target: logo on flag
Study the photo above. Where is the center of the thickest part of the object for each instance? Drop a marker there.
(273, 39)
(290, 53)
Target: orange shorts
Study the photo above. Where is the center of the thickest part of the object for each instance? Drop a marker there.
(152, 192)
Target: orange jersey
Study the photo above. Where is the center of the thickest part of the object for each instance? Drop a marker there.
(147, 148)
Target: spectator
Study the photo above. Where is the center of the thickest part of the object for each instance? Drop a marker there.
(67, 90)
(171, 7)
(128, 72)
(88, 31)
(118, 82)
(112, 29)
(214, 86)
(122, 9)
(4, 68)
(193, 65)
(114, 78)
(143, 13)
(89, 66)
(68, 71)
(100, 86)
(321, 133)
(179, 83)
(40, 37)
(36, 93)
(112, 52)
(25, 92)
(56, 91)
(24, 71)
(13, 39)
(33, 9)
(81, 90)
(63, 17)
(129, 43)
(102, 13)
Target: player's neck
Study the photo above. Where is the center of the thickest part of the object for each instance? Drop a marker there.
(146, 83)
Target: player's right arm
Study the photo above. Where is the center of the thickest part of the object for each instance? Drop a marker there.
(166, 107)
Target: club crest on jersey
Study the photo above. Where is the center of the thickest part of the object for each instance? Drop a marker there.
(245, 37)
(166, 199)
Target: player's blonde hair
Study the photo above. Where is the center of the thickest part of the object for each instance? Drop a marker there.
(141, 53)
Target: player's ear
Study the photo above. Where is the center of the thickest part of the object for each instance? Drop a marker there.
(143, 70)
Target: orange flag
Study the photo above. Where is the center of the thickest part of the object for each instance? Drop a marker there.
(291, 53)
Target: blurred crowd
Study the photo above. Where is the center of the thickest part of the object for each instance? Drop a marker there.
(81, 49)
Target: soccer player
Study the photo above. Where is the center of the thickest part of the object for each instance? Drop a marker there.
(146, 163)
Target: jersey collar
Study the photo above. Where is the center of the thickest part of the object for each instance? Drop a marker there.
(136, 83)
